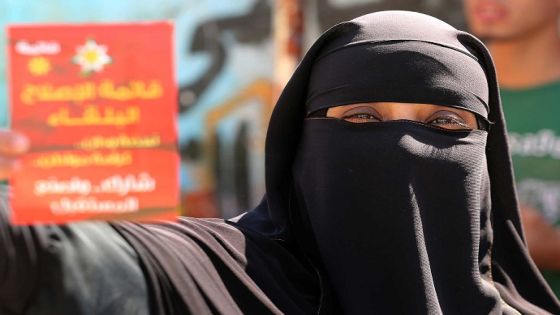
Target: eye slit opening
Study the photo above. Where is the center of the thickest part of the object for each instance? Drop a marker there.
(448, 120)
(361, 114)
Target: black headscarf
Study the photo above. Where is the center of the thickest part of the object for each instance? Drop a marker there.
(395, 217)
(400, 217)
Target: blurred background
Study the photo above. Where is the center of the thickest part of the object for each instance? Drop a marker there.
(232, 59)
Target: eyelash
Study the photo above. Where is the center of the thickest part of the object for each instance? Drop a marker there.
(362, 117)
(448, 120)
(438, 121)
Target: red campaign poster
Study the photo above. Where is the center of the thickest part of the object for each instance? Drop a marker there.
(98, 102)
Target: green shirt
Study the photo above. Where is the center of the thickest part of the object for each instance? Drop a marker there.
(533, 121)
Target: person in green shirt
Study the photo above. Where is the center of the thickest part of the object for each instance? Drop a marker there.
(523, 37)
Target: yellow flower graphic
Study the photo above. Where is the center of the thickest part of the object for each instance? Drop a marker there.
(91, 57)
(39, 66)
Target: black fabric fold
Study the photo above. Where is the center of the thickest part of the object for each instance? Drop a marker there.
(208, 266)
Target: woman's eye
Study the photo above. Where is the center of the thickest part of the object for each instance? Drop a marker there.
(361, 118)
(449, 122)
(360, 114)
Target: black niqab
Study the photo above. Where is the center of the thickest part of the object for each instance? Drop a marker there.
(393, 217)
(404, 230)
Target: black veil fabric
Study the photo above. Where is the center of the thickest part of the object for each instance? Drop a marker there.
(513, 272)
(296, 253)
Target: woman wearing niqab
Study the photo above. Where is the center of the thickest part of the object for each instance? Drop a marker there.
(379, 217)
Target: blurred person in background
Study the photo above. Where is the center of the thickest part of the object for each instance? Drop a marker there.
(524, 40)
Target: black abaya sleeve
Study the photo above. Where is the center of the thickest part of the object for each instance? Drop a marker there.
(192, 266)
(18, 265)
(84, 268)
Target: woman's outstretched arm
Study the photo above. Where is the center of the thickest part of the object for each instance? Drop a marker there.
(81, 268)
(19, 265)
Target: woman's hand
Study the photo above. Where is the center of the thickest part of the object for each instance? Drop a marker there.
(12, 146)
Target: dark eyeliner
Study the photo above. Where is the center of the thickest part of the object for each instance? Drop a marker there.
(361, 110)
(451, 118)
